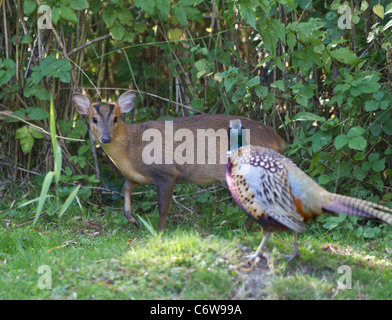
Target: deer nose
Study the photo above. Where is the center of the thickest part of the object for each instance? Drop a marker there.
(106, 139)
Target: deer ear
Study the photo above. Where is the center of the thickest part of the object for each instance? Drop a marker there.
(126, 102)
(80, 102)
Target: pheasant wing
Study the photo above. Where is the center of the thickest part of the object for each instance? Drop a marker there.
(265, 174)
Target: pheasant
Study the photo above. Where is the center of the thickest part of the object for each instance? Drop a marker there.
(277, 194)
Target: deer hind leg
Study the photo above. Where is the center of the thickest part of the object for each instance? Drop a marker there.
(128, 187)
(165, 187)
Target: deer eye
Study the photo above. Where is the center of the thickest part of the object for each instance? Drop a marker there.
(115, 119)
(95, 120)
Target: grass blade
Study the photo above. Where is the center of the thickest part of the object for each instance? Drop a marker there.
(44, 192)
(69, 200)
(148, 225)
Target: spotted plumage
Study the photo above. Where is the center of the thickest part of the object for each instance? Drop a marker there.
(272, 190)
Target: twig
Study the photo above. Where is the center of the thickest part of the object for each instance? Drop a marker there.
(73, 51)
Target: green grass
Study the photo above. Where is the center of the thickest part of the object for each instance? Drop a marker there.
(96, 255)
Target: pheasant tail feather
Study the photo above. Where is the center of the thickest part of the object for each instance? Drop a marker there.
(359, 208)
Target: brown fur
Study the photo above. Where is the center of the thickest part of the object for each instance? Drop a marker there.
(126, 148)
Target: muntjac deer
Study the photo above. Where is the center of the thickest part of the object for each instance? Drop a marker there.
(152, 153)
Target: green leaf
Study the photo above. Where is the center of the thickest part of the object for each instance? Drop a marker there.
(379, 10)
(229, 82)
(21, 132)
(50, 66)
(378, 165)
(37, 113)
(26, 39)
(148, 225)
(55, 15)
(125, 17)
(359, 173)
(238, 94)
(7, 70)
(190, 2)
(308, 116)
(345, 55)
(79, 4)
(36, 134)
(247, 12)
(109, 16)
(387, 127)
(371, 105)
(18, 113)
(117, 31)
(324, 179)
(253, 82)
(67, 14)
(375, 129)
(163, 8)
(147, 6)
(174, 34)
(320, 139)
(357, 143)
(378, 95)
(340, 141)
(278, 28)
(180, 15)
(29, 6)
(27, 143)
(355, 132)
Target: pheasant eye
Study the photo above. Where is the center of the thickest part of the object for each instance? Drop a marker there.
(115, 119)
(95, 120)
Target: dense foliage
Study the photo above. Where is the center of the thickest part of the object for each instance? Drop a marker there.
(319, 72)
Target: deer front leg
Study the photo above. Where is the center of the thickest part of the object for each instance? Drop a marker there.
(128, 187)
(165, 187)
